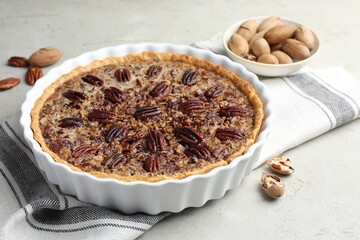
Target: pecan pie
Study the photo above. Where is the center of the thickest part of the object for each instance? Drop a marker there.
(148, 116)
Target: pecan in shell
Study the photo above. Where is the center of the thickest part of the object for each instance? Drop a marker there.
(33, 74)
(102, 116)
(198, 151)
(190, 77)
(214, 91)
(93, 80)
(83, 151)
(152, 164)
(114, 161)
(116, 132)
(188, 135)
(193, 106)
(228, 134)
(161, 89)
(70, 122)
(18, 61)
(234, 111)
(155, 141)
(153, 71)
(122, 75)
(114, 95)
(147, 112)
(75, 96)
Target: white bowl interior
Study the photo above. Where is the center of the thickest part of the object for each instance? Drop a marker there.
(269, 70)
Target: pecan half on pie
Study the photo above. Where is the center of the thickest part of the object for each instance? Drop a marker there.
(149, 117)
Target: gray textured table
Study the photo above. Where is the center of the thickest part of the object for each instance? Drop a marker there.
(321, 201)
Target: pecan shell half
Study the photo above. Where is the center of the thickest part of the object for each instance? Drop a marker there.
(152, 164)
(102, 116)
(122, 74)
(214, 91)
(190, 77)
(83, 150)
(192, 106)
(70, 122)
(116, 132)
(147, 112)
(161, 89)
(93, 80)
(114, 161)
(155, 141)
(228, 134)
(75, 96)
(188, 135)
(198, 151)
(234, 111)
(114, 95)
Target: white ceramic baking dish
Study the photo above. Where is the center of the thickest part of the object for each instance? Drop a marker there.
(150, 198)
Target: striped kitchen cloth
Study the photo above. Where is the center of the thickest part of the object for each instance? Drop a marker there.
(306, 105)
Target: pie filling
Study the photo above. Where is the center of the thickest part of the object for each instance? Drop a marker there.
(146, 118)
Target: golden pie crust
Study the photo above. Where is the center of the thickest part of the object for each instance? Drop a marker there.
(242, 85)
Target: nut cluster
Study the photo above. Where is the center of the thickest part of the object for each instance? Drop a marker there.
(272, 41)
(41, 58)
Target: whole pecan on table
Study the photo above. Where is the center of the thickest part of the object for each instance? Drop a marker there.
(33, 74)
(8, 83)
(18, 61)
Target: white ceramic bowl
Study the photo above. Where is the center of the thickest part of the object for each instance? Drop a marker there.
(269, 70)
(151, 198)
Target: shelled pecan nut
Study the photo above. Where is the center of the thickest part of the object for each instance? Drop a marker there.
(114, 161)
(152, 164)
(122, 75)
(116, 133)
(190, 77)
(114, 95)
(161, 89)
(8, 83)
(33, 74)
(214, 91)
(75, 96)
(234, 111)
(93, 80)
(147, 112)
(155, 141)
(188, 135)
(193, 106)
(83, 150)
(198, 151)
(18, 61)
(153, 71)
(102, 116)
(70, 122)
(228, 134)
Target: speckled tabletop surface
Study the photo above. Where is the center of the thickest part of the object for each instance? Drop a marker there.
(321, 199)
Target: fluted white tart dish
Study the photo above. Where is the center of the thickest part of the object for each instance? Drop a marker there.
(139, 196)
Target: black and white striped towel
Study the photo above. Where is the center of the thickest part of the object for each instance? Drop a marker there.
(306, 105)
